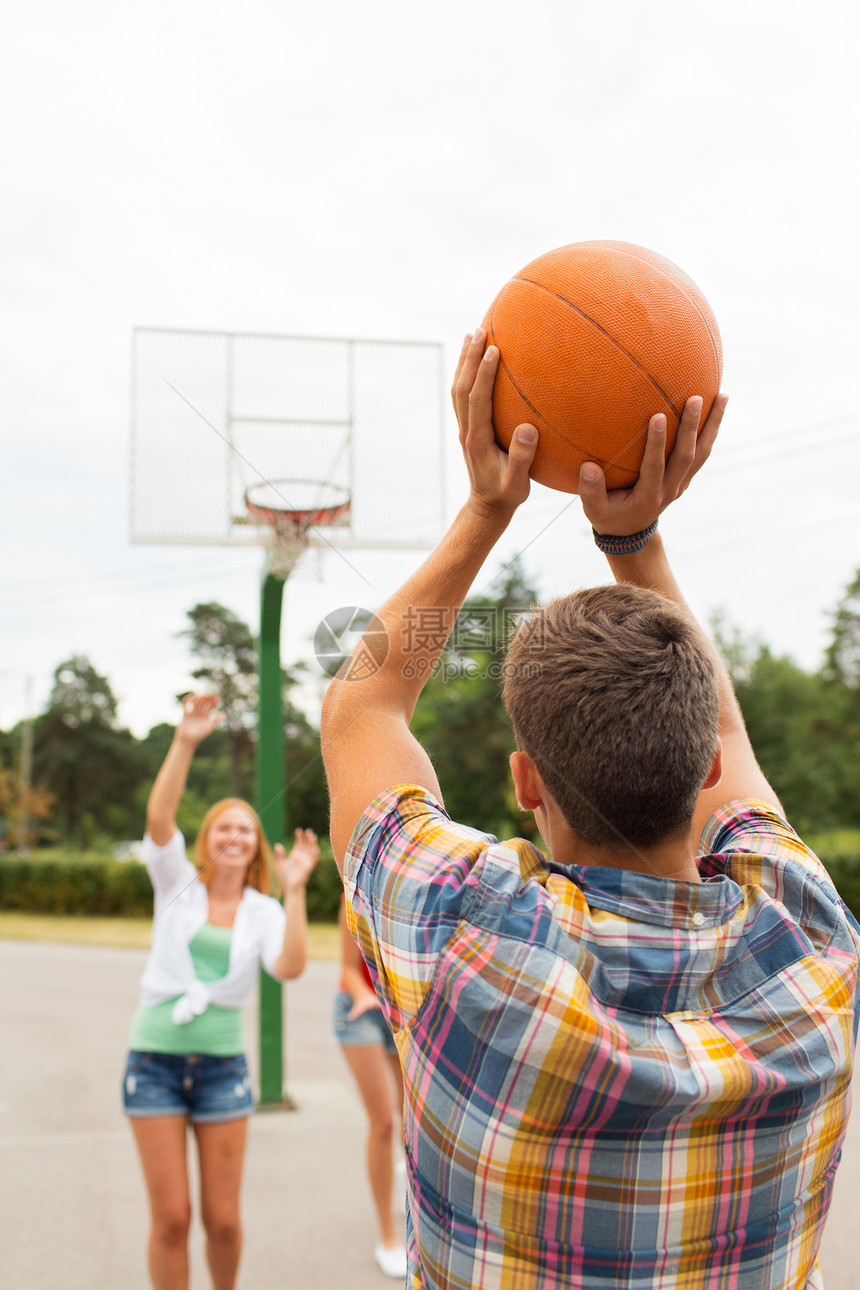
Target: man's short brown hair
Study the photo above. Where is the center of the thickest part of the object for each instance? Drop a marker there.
(620, 716)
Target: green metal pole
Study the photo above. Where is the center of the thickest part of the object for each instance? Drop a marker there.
(271, 807)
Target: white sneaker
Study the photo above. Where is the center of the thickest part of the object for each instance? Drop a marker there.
(391, 1262)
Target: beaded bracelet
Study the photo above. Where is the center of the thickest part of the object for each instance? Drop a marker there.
(611, 545)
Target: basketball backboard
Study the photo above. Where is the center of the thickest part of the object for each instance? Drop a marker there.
(216, 413)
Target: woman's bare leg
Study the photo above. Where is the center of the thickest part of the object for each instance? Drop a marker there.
(221, 1150)
(162, 1149)
(369, 1067)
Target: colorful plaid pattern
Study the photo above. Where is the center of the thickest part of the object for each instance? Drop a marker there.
(612, 1080)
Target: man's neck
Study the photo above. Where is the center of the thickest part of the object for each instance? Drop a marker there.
(673, 859)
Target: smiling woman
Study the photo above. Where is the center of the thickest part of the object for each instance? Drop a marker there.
(215, 923)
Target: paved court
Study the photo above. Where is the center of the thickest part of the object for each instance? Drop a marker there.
(72, 1203)
(73, 1212)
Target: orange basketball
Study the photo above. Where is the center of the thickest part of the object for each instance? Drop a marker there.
(594, 339)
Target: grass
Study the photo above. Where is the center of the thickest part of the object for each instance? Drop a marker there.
(126, 933)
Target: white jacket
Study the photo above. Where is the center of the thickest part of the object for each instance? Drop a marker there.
(181, 909)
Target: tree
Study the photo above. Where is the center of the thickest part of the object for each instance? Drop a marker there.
(20, 804)
(842, 658)
(799, 725)
(91, 766)
(224, 765)
(80, 695)
(227, 657)
(842, 671)
(304, 774)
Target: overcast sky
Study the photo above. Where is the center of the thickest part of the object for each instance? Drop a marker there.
(380, 170)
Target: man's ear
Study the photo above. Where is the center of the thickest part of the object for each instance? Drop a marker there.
(715, 774)
(527, 782)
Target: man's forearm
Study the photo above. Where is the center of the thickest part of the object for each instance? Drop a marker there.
(649, 568)
(419, 618)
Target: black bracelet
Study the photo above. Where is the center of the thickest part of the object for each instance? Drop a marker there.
(611, 545)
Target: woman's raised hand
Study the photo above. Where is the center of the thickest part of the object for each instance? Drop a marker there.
(199, 717)
(295, 869)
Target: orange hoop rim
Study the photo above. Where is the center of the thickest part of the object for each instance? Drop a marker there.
(293, 518)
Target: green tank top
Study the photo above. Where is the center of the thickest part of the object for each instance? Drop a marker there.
(217, 1032)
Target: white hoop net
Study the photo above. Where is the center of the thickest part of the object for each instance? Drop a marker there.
(289, 541)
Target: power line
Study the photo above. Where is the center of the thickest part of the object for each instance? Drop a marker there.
(64, 592)
(751, 454)
(777, 458)
(765, 534)
(120, 579)
(55, 580)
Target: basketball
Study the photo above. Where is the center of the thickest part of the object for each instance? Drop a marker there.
(594, 339)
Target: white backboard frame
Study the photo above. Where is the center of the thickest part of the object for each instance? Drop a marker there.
(212, 412)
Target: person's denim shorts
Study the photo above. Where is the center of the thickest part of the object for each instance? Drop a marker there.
(370, 1028)
(208, 1090)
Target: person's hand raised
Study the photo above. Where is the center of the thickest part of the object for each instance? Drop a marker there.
(199, 717)
(295, 869)
(499, 480)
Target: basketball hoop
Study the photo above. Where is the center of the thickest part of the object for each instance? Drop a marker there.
(291, 508)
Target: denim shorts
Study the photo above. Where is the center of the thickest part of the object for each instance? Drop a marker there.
(208, 1090)
(370, 1028)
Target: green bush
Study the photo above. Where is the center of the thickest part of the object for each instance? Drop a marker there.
(839, 852)
(76, 885)
(845, 872)
(324, 888)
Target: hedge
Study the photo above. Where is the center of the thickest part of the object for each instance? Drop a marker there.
(123, 887)
(845, 872)
(75, 887)
(113, 887)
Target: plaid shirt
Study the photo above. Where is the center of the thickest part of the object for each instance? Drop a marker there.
(612, 1080)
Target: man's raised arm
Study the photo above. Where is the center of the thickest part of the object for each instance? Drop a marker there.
(632, 512)
(366, 742)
